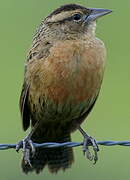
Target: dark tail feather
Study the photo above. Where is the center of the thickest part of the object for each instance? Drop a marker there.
(60, 158)
(56, 159)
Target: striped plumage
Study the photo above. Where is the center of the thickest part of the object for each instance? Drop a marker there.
(63, 76)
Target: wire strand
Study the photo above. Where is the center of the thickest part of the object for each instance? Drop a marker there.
(66, 144)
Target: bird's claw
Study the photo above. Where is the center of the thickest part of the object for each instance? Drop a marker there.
(89, 141)
(28, 148)
(19, 146)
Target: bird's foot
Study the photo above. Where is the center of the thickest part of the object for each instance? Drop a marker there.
(28, 148)
(89, 141)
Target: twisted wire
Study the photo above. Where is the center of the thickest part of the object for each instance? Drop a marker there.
(66, 144)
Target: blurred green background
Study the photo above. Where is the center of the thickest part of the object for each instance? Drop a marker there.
(110, 119)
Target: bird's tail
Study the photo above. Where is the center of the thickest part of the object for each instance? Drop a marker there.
(56, 159)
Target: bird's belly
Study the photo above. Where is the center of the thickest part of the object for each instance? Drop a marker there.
(78, 90)
(65, 85)
(66, 100)
(58, 118)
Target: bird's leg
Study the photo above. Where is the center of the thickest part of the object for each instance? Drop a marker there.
(89, 141)
(27, 145)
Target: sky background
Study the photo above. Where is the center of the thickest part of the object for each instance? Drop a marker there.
(110, 118)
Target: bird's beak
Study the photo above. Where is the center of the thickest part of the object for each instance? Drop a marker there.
(96, 13)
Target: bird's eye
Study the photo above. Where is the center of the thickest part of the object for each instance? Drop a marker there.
(77, 17)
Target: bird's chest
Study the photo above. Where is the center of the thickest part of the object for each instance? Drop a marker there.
(73, 73)
(70, 76)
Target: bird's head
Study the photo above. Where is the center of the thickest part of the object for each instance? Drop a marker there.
(72, 20)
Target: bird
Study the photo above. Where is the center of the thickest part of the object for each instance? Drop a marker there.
(62, 80)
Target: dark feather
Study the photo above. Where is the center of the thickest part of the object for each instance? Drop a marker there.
(57, 159)
(68, 7)
(24, 107)
(81, 118)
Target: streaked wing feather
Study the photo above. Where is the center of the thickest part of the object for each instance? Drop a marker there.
(24, 107)
(85, 114)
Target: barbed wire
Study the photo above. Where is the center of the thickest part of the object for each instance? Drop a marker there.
(66, 144)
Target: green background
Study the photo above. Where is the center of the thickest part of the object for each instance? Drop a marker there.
(110, 119)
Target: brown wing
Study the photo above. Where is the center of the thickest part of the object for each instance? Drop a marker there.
(24, 107)
(85, 114)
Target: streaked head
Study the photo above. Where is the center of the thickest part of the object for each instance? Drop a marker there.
(73, 18)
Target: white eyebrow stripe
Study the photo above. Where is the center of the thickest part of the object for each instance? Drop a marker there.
(60, 16)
